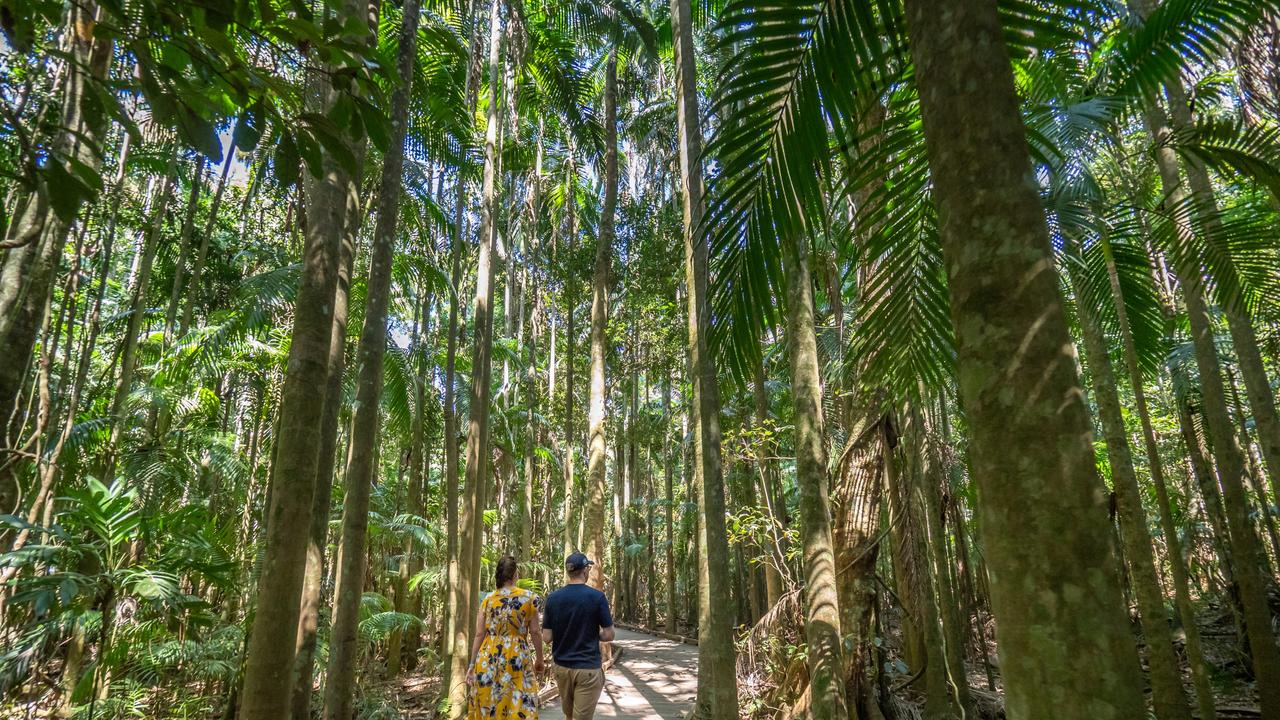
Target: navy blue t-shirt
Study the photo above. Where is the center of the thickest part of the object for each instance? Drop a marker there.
(574, 614)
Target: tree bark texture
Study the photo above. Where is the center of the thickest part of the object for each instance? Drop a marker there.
(367, 412)
(821, 595)
(717, 680)
(270, 661)
(464, 595)
(1055, 589)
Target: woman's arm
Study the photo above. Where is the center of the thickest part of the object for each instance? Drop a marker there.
(535, 629)
(475, 645)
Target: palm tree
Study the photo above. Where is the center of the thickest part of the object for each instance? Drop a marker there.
(717, 681)
(1043, 509)
(464, 591)
(269, 662)
(340, 679)
(597, 488)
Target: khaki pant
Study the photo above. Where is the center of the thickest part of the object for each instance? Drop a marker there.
(579, 691)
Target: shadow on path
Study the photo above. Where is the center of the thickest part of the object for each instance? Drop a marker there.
(656, 679)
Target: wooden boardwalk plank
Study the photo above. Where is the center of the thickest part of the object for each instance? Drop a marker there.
(655, 679)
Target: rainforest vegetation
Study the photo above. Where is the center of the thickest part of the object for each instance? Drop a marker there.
(916, 358)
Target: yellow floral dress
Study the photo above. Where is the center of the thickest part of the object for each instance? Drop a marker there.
(506, 686)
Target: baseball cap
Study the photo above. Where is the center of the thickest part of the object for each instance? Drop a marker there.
(576, 561)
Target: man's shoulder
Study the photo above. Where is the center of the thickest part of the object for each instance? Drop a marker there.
(575, 593)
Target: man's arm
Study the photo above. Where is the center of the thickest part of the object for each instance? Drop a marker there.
(547, 620)
(606, 621)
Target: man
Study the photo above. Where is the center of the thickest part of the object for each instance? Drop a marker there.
(575, 621)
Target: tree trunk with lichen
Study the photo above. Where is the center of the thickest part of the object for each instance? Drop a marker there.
(1166, 678)
(717, 680)
(464, 592)
(821, 591)
(1055, 590)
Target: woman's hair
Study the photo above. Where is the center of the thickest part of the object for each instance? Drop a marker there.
(506, 571)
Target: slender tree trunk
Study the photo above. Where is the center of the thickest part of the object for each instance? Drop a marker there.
(1253, 472)
(913, 482)
(197, 268)
(1246, 550)
(1177, 562)
(597, 481)
(270, 661)
(1166, 678)
(822, 614)
(776, 574)
(526, 549)
(934, 480)
(1065, 645)
(464, 595)
(450, 413)
(366, 416)
(1244, 340)
(717, 679)
(314, 574)
(1207, 482)
(137, 311)
(184, 247)
(571, 341)
(453, 624)
(668, 478)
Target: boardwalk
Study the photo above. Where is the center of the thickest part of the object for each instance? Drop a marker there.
(656, 679)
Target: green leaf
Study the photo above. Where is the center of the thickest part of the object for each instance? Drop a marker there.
(335, 141)
(67, 190)
(287, 162)
(376, 124)
(199, 133)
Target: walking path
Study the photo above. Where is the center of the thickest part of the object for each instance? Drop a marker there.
(655, 679)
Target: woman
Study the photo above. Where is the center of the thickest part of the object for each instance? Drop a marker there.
(504, 667)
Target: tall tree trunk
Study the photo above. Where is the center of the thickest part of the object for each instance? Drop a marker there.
(197, 268)
(270, 661)
(450, 412)
(822, 614)
(1155, 465)
(717, 679)
(1166, 678)
(1206, 480)
(314, 574)
(933, 481)
(36, 234)
(184, 247)
(1246, 549)
(453, 562)
(1244, 340)
(571, 340)
(768, 480)
(597, 449)
(668, 482)
(1055, 591)
(464, 594)
(137, 312)
(367, 413)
